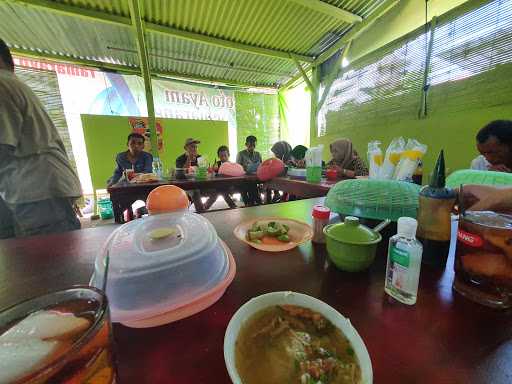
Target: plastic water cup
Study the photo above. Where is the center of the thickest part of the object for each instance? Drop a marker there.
(313, 174)
(201, 173)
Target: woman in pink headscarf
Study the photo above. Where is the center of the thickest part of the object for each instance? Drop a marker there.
(346, 160)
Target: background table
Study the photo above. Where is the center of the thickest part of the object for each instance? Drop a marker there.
(444, 338)
(299, 188)
(123, 195)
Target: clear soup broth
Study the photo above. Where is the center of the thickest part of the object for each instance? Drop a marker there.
(290, 344)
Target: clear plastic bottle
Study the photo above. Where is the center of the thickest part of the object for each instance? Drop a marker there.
(157, 167)
(320, 216)
(404, 262)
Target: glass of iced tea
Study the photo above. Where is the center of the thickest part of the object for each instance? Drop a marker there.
(61, 337)
(483, 259)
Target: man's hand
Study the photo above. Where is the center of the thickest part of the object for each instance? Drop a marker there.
(488, 198)
(500, 168)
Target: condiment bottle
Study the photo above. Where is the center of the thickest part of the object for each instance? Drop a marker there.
(434, 217)
(320, 220)
(404, 263)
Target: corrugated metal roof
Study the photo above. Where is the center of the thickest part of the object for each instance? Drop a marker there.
(280, 25)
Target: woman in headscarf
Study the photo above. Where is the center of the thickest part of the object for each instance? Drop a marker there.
(282, 150)
(346, 160)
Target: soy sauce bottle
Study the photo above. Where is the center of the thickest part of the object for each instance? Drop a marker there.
(434, 217)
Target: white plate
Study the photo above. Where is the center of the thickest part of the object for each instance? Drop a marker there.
(293, 298)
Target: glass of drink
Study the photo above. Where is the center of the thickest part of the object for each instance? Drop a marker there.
(483, 259)
(61, 337)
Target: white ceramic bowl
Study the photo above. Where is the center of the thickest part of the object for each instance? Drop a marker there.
(293, 298)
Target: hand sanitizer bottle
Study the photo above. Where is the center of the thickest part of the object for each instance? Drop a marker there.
(404, 262)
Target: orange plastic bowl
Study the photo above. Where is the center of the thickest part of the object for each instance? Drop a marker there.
(166, 198)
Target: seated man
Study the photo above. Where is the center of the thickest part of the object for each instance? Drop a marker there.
(38, 185)
(494, 142)
(250, 160)
(189, 158)
(133, 159)
(223, 154)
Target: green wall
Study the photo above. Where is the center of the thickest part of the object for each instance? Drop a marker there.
(257, 114)
(455, 133)
(105, 137)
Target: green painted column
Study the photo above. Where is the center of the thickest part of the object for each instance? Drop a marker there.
(146, 72)
(315, 82)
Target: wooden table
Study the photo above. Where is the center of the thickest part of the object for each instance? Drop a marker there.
(444, 338)
(299, 187)
(123, 195)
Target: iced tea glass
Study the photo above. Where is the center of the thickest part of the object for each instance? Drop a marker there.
(62, 337)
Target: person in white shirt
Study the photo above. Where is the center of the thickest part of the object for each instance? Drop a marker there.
(38, 185)
(494, 142)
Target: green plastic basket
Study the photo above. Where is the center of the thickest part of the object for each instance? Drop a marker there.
(470, 176)
(374, 199)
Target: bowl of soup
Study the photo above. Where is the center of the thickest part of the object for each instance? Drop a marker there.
(289, 337)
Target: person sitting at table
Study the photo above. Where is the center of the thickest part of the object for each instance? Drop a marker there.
(494, 142)
(223, 154)
(283, 151)
(189, 158)
(298, 154)
(250, 160)
(346, 160)
(134, 158)
(38, 184)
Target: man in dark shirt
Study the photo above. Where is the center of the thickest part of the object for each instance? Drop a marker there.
(189, 158)
(134, 158)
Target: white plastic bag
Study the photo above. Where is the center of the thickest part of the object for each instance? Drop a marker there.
(375, 159)
(411, 156)
(392, 158)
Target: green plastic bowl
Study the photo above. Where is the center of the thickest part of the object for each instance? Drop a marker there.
(350, 245)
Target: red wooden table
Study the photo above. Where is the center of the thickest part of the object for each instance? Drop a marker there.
(299, 187)
(123, 194)
(444, 338)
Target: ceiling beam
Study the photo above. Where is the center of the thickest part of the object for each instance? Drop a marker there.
(192, 36)
(70, 10)
(75, 11)
(304, 76)
(330, 10)
(293, 81)
(355, 31)
(127, 69)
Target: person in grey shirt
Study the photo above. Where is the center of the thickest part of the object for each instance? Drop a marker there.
(38, 186)
(250, 160)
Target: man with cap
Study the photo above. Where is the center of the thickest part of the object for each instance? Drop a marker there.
(189, 158)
